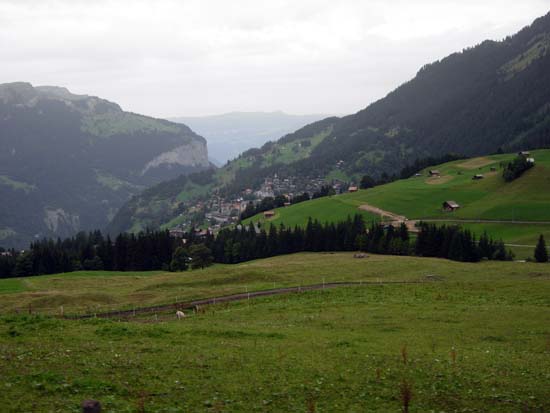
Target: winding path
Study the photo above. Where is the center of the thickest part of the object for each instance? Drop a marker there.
(397, 219)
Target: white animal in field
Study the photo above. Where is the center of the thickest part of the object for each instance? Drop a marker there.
(180, 315)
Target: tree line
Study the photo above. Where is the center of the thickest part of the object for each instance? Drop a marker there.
(516, 168)
(157, 250)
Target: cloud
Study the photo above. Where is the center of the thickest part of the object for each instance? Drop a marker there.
(189, 57)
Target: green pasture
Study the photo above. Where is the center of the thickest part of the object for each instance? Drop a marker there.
(326, 209)
(91, 292)
(525, 199)
(477, 340)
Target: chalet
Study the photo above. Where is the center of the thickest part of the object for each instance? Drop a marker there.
(269, 214)
(493, 168)
(177, 233)
(202, 233)
(524, 153)
(434, 172)
(353, 189)
(477, 177)
(531, 160)
(450, 206)
(286, 204)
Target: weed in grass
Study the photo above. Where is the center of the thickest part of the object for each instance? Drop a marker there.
(142, 398)
(311, 404)
(12, 332)
(453, 355)
(406, 394)
(404, 354)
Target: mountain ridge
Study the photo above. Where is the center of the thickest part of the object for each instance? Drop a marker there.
(489, 98)
(68, 162)
(231, 133)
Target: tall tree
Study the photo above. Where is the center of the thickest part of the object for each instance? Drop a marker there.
(201, 256)
(541, 253)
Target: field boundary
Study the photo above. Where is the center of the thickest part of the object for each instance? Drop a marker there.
(191, 305)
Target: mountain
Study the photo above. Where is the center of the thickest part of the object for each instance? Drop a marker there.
(489, 98)
(68, 162)
(230, 134)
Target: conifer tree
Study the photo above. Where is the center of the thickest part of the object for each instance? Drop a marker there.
(541, 253)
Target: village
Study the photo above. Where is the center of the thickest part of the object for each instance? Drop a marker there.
(209, 216)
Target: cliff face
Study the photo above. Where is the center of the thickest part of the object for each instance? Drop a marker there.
(68, 162)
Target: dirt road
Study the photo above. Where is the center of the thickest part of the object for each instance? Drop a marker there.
(190, 305)
(394, 219)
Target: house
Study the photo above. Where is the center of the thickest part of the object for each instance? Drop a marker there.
(531, 160)
(177, 233)
(524, 153)
(493, 168)
(269, 214)
(477, 177)
(434, 172)
(450, 206)
(353, 189)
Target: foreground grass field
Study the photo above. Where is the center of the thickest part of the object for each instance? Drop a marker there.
(478, 340)
(90, 292)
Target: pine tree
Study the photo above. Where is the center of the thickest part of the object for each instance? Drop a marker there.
(541, 253)
(201, 256)
(180, 259)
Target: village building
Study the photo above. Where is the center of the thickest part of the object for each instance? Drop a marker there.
(176, 233)
(531, 160)
(353, 189)
(269, 214)
(434, 172)
(450, 206)
(477, 177)
(524, 153)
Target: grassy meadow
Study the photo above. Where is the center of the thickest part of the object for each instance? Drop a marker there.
(91, 292)
(478, 340)
(525, 199)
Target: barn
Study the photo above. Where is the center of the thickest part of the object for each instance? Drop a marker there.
(450, 206)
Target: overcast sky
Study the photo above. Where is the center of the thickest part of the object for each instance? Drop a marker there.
(186, 57)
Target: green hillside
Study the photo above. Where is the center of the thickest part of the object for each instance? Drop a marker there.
(349, 349)
(486, 98)
(525, 199)
(69, 162)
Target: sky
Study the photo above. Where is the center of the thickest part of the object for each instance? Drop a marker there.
(198, 57)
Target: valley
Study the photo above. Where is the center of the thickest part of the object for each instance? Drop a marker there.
(394, 259)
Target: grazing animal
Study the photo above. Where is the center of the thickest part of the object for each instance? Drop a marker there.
(180, 315)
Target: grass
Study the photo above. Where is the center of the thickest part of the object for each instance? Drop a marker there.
(293, 151)
(114, 183)
(86, 292)
(15, 185)
(327, 209)
(114, 123)
(421, 198)
(477, 341)
(12, 285)
(6, 233)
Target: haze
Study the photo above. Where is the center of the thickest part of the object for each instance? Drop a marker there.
(188, 58)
